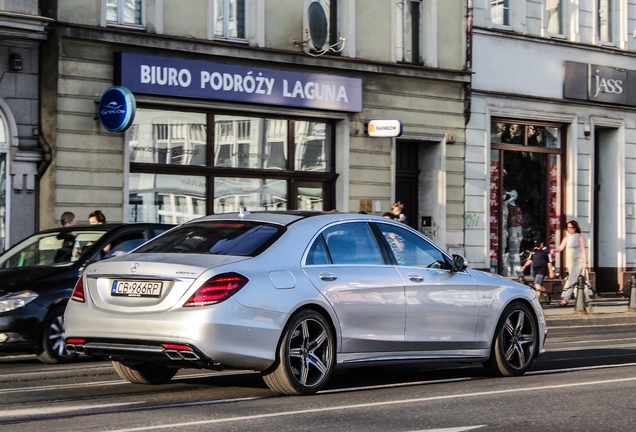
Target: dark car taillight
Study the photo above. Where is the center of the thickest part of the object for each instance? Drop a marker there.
(78, 291)
(217, 289)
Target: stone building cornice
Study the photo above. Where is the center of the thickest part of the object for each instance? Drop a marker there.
(23, 26)
(135, 40)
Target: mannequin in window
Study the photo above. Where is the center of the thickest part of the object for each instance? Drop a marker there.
(515, 234)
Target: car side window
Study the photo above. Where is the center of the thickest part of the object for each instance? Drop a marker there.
(352, 243)
(411, 250)
(317, 253)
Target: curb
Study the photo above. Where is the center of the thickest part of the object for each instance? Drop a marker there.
(592, 319)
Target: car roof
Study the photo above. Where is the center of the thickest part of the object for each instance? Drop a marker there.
(287, 217)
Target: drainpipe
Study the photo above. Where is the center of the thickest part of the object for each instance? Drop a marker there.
(46, 157)
(469, 59)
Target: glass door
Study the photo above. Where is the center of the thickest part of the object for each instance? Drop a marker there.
(526, 196)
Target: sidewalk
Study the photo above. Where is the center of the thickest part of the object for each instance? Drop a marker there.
(604, 310)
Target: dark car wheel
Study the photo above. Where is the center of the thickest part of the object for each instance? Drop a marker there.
(53, 347)
(145, 373)
(516, 341)
(306, 356)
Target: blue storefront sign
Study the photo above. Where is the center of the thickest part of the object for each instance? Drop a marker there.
(169, 76)
(117, 109)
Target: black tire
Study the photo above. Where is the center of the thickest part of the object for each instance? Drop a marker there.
(306, 356)
(53, 348)
(515, 344)
(145, 373)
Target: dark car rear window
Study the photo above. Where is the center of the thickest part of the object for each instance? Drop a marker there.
(218, 238)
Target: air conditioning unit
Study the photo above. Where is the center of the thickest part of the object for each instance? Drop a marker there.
(316, 24)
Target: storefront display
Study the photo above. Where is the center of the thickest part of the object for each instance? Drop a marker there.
(525, 191)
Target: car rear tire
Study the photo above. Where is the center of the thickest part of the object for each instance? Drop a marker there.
(306, 356)
(515, 344)
(53, 335)
(145, 373)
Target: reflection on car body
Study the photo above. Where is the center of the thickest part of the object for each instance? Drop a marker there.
(294, 295)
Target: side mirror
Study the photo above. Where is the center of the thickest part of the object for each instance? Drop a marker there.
(459, 263)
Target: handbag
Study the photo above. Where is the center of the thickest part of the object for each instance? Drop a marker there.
(589, 292)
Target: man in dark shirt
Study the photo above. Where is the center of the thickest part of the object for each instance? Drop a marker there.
(541, 261)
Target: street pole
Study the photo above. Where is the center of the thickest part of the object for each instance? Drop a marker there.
(580, 295)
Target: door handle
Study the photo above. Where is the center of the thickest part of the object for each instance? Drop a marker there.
(326, 276)
(414, 277)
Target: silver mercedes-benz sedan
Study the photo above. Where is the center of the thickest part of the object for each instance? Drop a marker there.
(294, 295)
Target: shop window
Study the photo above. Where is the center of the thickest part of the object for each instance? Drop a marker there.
(3, 201)
(500, 12)
(179, 172)
(168, 137)
(253, 142)
(124, 12)
(4, 149)
(229, 19)
(408, 31)
(166, 198)
(232, 194)
(526, 196)
(312, 149)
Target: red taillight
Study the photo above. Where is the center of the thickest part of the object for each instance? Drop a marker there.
(217, 289)
(75, 341)
(177, 347)
(78, 291)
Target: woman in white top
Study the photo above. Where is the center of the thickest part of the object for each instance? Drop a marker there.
(575, 259)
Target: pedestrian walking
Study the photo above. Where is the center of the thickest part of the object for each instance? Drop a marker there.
(575, 259)
(541, 261)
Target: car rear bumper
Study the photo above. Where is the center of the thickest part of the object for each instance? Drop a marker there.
(226, 335)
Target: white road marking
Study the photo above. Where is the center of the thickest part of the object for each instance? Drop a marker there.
(371, 405)
(108, 383)
(456, 429)
(58, 410)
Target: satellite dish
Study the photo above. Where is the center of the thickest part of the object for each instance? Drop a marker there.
(317, 25)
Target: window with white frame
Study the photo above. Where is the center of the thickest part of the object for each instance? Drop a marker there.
(553, 14)
(500, 12)
(408, 31)
(229, 19)
(604, 20)
(125, 12)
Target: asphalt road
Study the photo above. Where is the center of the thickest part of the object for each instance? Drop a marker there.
(586, 381)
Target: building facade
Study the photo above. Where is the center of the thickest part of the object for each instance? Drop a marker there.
(552, 133)
(22, 152)
(257, 104)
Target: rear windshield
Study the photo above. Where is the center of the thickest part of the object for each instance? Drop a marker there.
(218, 238)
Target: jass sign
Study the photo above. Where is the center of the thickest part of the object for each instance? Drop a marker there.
(598, 83)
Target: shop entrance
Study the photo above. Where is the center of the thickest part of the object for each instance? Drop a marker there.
(406, 179)
(525, 192)
(606, 209)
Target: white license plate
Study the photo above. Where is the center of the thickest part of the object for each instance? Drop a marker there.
(133, 288)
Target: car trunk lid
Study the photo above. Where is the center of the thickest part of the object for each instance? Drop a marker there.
(147, 283)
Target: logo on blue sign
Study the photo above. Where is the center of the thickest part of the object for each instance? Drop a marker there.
(117, 109)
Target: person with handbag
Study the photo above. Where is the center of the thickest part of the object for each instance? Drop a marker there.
(575, 260)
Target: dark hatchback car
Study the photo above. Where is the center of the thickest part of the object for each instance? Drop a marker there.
(37, 277)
